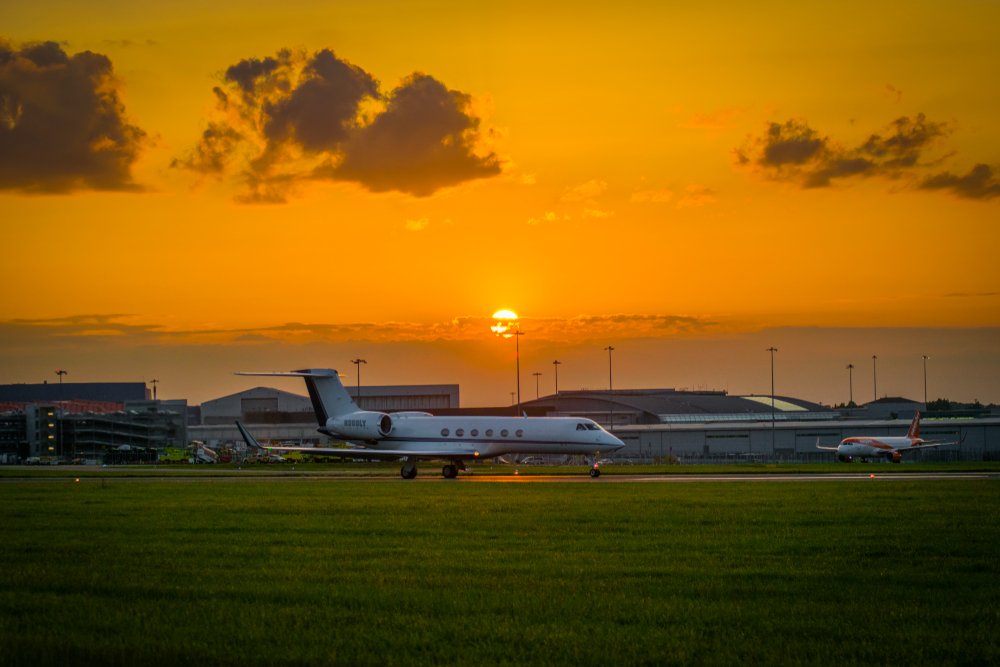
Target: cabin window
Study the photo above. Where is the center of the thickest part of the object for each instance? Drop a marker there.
(459, 432)
(503, 433)
(444, 432)
(474, 432)
(519, 433)
(489, 433)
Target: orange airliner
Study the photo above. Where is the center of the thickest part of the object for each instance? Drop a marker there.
(884, 447)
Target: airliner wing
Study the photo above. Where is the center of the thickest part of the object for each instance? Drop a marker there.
(934, 443)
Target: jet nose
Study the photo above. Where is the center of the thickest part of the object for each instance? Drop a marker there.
(611, 443)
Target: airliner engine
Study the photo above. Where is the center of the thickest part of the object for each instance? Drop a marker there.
(361, 426)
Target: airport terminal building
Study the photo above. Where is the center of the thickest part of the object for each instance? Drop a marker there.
(94, 422)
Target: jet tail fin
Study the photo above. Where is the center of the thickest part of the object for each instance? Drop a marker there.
(327, 393)
(914, 432)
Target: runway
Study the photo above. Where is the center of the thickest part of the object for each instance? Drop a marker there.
(88, 474)
(751, 477)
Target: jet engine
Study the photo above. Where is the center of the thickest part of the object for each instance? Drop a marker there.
(361, 426)
(894, 456)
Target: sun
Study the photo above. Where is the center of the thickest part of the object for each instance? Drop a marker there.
(505, 321)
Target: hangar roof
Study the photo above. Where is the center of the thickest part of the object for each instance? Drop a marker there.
(662, 405)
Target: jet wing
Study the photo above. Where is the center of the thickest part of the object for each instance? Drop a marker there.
(456, 452)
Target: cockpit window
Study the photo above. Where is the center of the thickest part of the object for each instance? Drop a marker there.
(593, 427)
(581, 427)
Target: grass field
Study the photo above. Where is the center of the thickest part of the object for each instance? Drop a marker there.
(255, 572)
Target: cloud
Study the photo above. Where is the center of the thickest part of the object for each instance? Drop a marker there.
(585, 191)
(660, 196)
(795, 152)
(968, 295)
(295, 118)
(980, 183)
(417, 225)
(122, 331)
(548, 216)
(62, 124)
(696, 196)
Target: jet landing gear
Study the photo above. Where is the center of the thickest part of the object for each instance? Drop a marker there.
(409, 470)
(595, 467)
(450, 470)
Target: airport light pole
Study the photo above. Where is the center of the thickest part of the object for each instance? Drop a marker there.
(925, 381)
(850, 384)
(60, 372)
(555, 365)
(358, 362)
(611, 388)
(874, 378)
(154, 383)
(517, 365)
(772, 350)
(537, 374)
(507, 326)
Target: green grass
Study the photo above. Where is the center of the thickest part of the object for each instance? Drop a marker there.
(120, 571)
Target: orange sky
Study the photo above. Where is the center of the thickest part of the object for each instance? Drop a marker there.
(689, 183)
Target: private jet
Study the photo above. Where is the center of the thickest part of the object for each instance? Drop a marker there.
(416, 436)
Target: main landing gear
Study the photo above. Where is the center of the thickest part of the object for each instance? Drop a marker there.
(449, 471)
(595, 472)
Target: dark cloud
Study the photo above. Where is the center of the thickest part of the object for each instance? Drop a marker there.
(423, 141)
(791, 143)
(797, 153)
(300, 117)
(323, 108)
(62, 124)
(980, 183)
(902, 145)
(246, 73)
(212, 154)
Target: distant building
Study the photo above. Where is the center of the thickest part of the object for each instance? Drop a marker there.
(892, 407)
(136, 432)
(103, 392)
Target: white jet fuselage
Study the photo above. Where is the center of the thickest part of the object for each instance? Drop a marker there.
(484, 436)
